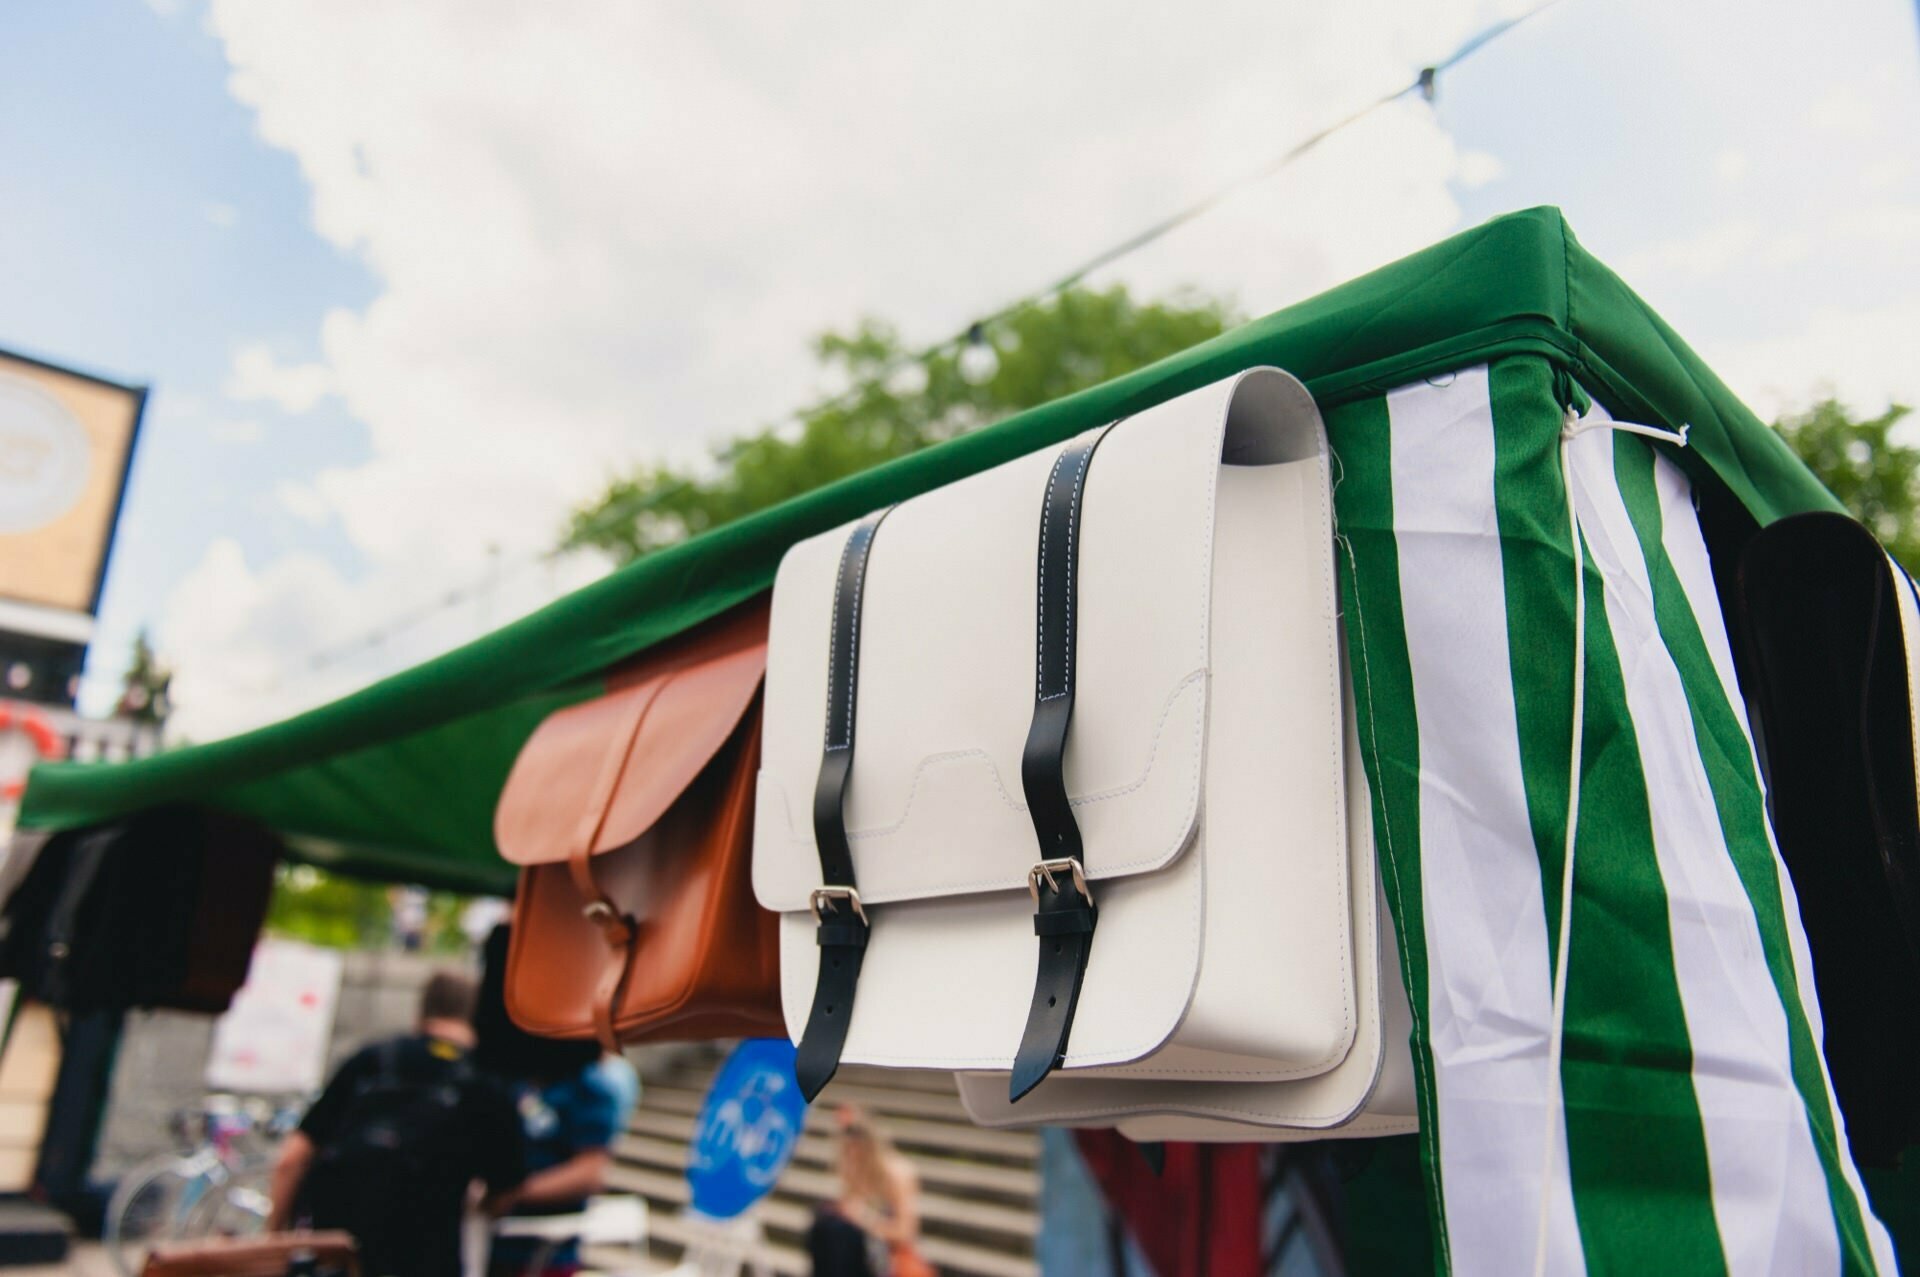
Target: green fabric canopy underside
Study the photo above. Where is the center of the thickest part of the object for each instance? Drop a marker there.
(398, 780)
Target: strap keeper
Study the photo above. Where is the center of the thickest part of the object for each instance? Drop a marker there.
(1070, 922)
(841, 935)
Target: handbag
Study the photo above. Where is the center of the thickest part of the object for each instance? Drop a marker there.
(327, 1253)
(1055, 772)
(1827, 627)
(630, 815)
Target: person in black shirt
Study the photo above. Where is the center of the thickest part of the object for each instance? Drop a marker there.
(396, 1141)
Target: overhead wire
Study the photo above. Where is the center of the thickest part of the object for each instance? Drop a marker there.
(1423, 85)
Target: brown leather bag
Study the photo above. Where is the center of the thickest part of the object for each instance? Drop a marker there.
(631, 816)
(264, 1256)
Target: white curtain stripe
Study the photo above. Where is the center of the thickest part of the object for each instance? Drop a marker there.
(1769, 1190)
(1687, 551)
(1489, 996)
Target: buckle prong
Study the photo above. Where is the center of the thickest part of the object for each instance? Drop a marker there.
(824, 897)
(1045, 870)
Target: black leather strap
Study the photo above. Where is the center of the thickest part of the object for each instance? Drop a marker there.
(1064, 914)
(57, 979)
(843, 928)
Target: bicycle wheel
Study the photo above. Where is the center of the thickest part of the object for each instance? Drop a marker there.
(233, 1203)
(148, 1206)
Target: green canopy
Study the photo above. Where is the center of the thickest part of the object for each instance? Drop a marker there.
(398, 780)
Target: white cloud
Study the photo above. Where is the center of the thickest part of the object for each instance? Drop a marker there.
(1476, 169)
(258, 375)
(1862, 355)
(1732, 164)
(1848, 110)
(604, 231)
(236, 432)
(303, 501)
(252, 644)
(1714, 251)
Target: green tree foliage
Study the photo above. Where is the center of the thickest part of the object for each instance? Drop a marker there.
(1078, 339)
(146, 690)
(1874, 477)
(321, 908)
(310, 904)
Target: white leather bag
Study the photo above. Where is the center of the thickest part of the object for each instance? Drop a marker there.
(915, 659)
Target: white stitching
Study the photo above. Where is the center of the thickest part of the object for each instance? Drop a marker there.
(859, 588)
(1073, 515)
(795, 837)
(1260, 1117)
(833, 637)
(1336, 684)
(1040, 612)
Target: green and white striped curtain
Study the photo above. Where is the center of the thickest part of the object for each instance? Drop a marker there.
(1693, 1128)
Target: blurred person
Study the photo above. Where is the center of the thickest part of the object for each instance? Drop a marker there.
(409, 909)
(573, 1100)
(873, 1228)
(394, 1145)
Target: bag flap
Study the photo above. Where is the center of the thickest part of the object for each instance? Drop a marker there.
(934, 805)
(601, 773)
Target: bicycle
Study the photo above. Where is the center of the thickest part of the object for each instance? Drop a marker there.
(219, 1187)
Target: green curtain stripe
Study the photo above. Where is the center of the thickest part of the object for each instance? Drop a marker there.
(1535, 554)
(1726, 754)
(1636, 1141)
(1636, 1145)
(1382, 678)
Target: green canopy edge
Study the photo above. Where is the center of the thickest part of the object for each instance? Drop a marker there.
(398, 780)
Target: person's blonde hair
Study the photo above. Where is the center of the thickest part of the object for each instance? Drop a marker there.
(865, 1175)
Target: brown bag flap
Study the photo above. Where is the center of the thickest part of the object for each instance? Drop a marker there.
(601, 773)
(265, 1256)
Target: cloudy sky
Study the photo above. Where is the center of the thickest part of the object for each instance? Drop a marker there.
(409, 280)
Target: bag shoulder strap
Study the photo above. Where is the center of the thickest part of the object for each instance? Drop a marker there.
(89, 855)
(1064, 914)
(842, 921)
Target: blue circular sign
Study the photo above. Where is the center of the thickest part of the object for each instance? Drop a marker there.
(748, 1129)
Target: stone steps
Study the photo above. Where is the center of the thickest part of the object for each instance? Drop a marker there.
(978, 1187)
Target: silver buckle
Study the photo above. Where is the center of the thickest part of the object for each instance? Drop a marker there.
(597, 911)
(825, 896)
(1046, 869)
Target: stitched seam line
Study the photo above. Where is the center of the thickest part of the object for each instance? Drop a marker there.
(853, 639)
(833, 633)
(1338, 790)
(1423, 1079)
(1040, 618)
(797, 838)
(1260, 1117)
(1073, 519)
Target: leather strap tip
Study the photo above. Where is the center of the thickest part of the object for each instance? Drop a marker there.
(813, 1078)
(1026, 1075)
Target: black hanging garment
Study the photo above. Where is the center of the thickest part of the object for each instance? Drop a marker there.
(161, 909)
(1827, 626)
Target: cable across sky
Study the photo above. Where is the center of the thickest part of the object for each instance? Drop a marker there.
(1423, 85)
